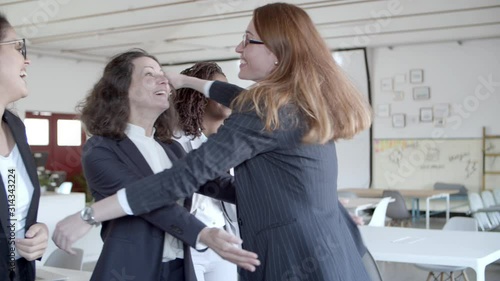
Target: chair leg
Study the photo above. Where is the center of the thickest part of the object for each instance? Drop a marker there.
(442, 276)
(465, 275)
(452, 278)
(431, 274)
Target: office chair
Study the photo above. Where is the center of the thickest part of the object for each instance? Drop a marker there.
(61, 259)
(438, 272)
(378, 217)
(65, 188)
(397, 210)
(371, 266)
(496, 195)
(489, 201)
(475, 205)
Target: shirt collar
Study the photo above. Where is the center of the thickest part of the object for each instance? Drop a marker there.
(137, 131)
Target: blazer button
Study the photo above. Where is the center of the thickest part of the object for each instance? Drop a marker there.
(240, 222)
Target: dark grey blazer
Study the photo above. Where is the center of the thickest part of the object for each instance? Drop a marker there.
(286, 196)
(133, 246)
(19, 132)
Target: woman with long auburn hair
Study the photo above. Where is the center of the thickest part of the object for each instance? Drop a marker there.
(280, 139)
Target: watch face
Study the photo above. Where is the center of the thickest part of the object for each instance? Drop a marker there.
(87, 214)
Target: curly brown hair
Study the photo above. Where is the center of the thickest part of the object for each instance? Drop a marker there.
(106, 110)
(190, 104)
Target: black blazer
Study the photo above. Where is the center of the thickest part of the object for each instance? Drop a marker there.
(19, 132)
(286, 192)
(133, 246)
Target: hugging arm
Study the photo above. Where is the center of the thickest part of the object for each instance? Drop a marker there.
(106, 174)
(221, 188)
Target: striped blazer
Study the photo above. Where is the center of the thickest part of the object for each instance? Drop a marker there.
(288, 212)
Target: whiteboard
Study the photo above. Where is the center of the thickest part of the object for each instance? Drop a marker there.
(418, 164)
(353, 155)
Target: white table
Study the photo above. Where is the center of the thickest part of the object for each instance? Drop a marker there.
(359, 204)
(439, 247)
(73, 275)
(415, 195)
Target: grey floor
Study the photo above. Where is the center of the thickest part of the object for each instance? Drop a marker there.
(407, 272)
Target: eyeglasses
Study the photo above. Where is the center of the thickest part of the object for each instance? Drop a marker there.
(247, 41)
(20, 45)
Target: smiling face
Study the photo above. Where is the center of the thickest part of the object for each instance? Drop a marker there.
(257, 61)
(12, 70)
(149, 90)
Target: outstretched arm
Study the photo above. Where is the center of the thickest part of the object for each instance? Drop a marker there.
(73, 228)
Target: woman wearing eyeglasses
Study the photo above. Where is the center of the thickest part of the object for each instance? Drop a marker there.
(22, 239)
(281, 140)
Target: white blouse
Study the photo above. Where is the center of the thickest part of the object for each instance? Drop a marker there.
(19, 190)
(158, 160)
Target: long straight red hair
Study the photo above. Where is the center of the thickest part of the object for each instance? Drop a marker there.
(306, 76)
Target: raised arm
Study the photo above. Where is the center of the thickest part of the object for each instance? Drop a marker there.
(221, 92)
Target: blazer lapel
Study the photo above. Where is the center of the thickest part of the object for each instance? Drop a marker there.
(173, 158)
(132, 155)
(20, 138)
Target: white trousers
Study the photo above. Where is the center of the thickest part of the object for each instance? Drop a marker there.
(209, 266)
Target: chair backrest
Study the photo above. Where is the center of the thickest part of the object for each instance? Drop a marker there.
(58, 177)
(371, 267)
(378, 217)
(461, 223)
(462, 190)
(396, 210)
(476, 203)
(65, 187)
(496, 195)
(489, 201)
(61, 259)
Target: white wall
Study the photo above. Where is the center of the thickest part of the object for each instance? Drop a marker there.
(467, 77)
(456, 75)
(57, 85)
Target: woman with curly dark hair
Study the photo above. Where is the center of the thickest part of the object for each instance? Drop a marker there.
(200, 117)
(129, 116)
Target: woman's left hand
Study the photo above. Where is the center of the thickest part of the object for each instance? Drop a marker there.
(35, 242)
(68, 231)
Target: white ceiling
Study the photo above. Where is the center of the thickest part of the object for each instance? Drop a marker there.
(188, 31)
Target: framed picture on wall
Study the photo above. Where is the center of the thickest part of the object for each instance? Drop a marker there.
(421, 93)
(384, 110)
(426, 114)
(399, 120)
(416, 76)
(442, 110)
(439, 122)
(398, 96)
(386, 84)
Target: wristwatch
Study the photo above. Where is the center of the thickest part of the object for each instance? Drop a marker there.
(87, 215)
